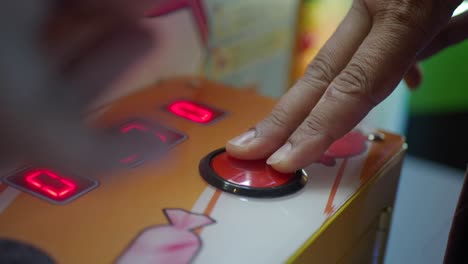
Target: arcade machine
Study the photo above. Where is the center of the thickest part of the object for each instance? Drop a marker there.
(179, 198)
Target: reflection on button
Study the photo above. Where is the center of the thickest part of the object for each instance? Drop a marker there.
(252, 178)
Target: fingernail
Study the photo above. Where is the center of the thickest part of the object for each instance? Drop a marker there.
(280, 154)
(243, 139)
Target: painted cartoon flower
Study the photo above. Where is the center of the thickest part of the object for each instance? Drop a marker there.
(352, 144)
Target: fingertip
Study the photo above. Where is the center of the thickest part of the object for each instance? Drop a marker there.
(298, 153)
(238, 147)
(250, 146)
(285, 159)
(250, 151)
(283, 167)
(412, 84)
(413, 77)
(234, 150)
(243, 139)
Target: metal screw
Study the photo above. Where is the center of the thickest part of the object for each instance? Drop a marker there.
(376, 137)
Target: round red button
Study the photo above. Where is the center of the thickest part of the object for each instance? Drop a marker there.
(252, 173)
(252, 178)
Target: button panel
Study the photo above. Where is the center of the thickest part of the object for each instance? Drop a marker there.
(146, 140)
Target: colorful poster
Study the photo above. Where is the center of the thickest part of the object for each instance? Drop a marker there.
(250, 43)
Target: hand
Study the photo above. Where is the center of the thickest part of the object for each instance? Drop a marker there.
(359, 66)
(56, 56)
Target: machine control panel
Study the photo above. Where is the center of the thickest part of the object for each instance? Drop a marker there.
(177, 197)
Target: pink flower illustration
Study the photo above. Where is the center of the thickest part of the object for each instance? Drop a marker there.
(175, 243)
(352, 144)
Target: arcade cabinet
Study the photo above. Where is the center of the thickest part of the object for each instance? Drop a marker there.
(178, 197)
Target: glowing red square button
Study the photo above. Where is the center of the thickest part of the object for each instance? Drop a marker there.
(50, 185)
(50, 182)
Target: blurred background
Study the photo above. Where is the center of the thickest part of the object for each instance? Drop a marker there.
(266, 44)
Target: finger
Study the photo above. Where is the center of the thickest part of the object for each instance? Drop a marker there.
(455, 32)
(272, 132)
(413, 77)
(373, 72)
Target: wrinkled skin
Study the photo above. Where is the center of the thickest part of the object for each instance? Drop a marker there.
(375, 46)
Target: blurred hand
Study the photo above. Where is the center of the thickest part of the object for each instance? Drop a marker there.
(56, 56)
(359, 66)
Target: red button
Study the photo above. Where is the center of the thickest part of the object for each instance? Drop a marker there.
(249, 173)
(252, 178)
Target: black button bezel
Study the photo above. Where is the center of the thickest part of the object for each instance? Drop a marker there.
(212, 178)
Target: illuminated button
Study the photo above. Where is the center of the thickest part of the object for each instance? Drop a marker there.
(146, 139)
(195, 112)
(248, 178)
(50, 185)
